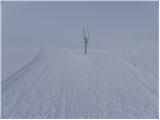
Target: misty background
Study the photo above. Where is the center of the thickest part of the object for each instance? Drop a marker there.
(46, 74)
(59, 24)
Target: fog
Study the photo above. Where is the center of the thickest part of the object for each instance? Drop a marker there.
(46, 73)
(59, 24)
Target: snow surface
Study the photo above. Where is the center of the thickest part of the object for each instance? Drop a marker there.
(15, 58)
(119, 82)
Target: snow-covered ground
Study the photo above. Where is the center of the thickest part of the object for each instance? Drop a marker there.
(15, 58)
(116, 82)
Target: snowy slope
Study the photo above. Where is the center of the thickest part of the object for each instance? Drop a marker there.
(64, 83)
(15, 58)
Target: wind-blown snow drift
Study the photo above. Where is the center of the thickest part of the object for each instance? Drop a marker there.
(64, 83)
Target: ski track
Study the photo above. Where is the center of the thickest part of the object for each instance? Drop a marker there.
(153, 92)
(9, 91)
(12, 79)
(63, 100)
(145, 65)
(29, 90)
(48, 66)
(75, 89)
(133, 68)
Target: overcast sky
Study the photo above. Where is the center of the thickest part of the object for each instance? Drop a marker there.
(59, 24)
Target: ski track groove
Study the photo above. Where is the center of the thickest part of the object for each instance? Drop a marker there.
(23, 67)
(77, 97)
(13, 78)
(63, 100)
(68, 84)
(30, 89)
(131, 71)
(146, 66)
(142, 83)
(74, 97)
(14, 85)
(60, 114)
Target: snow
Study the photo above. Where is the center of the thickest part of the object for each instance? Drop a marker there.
(116, 82)
(11, 61)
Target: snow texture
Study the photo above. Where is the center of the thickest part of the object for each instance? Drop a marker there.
(116, 82)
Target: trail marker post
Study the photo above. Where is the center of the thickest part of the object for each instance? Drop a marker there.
(86, 38)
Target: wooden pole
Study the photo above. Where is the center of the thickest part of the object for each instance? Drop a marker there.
(86, 39)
